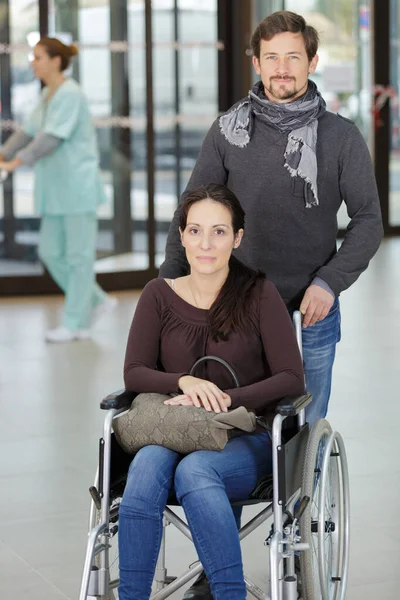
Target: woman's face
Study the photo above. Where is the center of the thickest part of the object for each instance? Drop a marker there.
(208, 237)
(42, 64)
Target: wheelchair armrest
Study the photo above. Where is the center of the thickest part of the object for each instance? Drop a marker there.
(290, 406)
(117, 400)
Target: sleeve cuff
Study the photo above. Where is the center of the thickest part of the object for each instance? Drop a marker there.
(235, 397)
(174, 381)
(322, 284)
(26, 156)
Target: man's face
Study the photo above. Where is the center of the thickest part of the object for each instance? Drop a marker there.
(284, 67)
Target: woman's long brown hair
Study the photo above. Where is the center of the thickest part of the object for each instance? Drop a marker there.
(230, 310)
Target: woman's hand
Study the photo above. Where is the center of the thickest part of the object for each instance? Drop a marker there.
(180, 400)
(10, 165)
(200, 392)
(183, 400)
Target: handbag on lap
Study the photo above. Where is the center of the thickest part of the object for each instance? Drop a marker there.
(184, 429)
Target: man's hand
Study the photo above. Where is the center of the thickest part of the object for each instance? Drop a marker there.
(10, 165)
(200, 392)
(315, 305)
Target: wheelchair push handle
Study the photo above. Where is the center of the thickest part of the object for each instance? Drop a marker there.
(221, 361)
(297, 317)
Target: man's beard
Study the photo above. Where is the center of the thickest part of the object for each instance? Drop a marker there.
(282, 93)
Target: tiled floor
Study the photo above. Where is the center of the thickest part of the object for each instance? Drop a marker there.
(50, 423)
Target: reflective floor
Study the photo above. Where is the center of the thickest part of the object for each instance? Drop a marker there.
(50, 423)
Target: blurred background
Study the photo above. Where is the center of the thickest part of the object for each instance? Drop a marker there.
(157, 73)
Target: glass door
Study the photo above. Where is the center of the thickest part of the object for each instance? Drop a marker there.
(111, 71)
(18, 93)
(149, 69)
(185, 63)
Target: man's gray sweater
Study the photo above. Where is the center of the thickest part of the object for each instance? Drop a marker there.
(293, 244)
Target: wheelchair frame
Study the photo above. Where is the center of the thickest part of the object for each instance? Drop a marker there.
(284, 540)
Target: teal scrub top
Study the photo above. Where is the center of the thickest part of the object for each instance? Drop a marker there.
(67, 181)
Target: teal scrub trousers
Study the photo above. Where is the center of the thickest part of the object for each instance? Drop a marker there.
(67, 247)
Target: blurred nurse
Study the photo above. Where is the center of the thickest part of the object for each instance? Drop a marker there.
(60, 141)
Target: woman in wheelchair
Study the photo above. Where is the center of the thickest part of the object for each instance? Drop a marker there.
(225, 309)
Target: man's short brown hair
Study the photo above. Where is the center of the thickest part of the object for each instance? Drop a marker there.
(284, 21)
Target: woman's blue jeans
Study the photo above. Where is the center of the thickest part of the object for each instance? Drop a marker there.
(204, 482)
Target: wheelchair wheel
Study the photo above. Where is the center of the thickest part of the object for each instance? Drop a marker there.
(112, 555)
(324, 524)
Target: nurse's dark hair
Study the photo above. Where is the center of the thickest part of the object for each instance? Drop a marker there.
(285, 21)
(230, 311)
(55, 47)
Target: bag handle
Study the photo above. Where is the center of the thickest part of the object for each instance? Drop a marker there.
(221, 361)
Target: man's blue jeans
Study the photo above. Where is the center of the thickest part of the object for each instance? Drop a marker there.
(204, 482)
(319, 348)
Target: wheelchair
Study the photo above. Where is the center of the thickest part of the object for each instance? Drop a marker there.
(306, 497)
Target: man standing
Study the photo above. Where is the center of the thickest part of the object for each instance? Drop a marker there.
(291, 163)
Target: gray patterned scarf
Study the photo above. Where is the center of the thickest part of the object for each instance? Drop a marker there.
(298, 118)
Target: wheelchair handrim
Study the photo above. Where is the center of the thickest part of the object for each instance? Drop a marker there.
(335, 454)
(330, 515)
(333, 526)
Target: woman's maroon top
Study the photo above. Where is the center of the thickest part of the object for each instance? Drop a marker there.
(168, 335)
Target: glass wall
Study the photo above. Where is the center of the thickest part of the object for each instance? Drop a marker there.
(151, 109)
(185, 97)
(19, 92)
